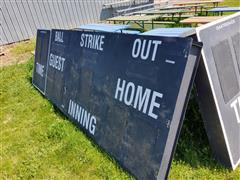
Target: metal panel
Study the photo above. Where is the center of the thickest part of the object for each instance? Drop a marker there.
(21, 18)
(29, 17)
(133, 103)
(225, 70)
(26, 19)
(35, 17)
(58, 14)
(40, 18)
(21, 24)
(68, 14)
(44, 15)
(49, 14)
(8, 25)
(219, 94)
(74, 12)
(236, 45)
(3, 37)
(65, 13)
(53, 13)
(14, 19)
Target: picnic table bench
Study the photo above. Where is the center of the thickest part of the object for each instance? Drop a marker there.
(200, 19)
(140, 20)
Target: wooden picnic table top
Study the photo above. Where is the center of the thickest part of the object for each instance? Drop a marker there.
(181, 7)
(197, 2)
(134, 18)
(200, 19)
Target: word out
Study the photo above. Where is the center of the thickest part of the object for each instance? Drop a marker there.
(142, 48)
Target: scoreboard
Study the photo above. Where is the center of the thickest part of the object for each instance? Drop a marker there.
(218, 86)
(128, 92)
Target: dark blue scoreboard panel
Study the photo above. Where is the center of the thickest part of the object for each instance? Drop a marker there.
(218, 85)
(127, 92)
(40, 63)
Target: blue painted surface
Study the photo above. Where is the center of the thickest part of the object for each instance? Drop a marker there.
(225, 9)
(169, 32)
(104, 27)
(130, 32)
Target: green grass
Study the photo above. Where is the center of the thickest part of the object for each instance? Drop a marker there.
(23, 47)
(37, 141)
(230, 3)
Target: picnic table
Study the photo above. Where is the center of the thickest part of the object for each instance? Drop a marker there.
(221, 10)
(191, 2)
(172, 13)
(200, 19)
(173, 8)
(140, 20)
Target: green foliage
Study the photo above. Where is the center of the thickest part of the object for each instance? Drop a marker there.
(230, 3)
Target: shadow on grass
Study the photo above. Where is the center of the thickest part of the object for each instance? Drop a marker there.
(193, 147)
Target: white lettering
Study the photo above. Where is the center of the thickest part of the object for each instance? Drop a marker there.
(136, 48)
(83, 117)
(57, 62)
(120, 89)
(236, 107)
(134, 94)
(141, 100)
(92, 41)
(131, 86)
(143, 48)
(154, 104)
(59, 36)
(39, 69)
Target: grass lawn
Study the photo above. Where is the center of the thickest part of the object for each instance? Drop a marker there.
(38, 142)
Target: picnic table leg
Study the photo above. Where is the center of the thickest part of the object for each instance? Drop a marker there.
(152, 25)
(180, 14)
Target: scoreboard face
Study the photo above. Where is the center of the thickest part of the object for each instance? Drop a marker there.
(40, 62)
(218, 84)
(127, 92)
